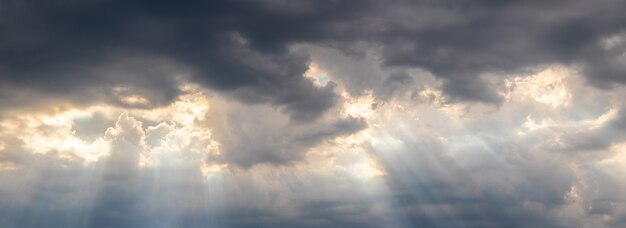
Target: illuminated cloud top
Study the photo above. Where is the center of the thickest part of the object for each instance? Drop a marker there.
(318, 113)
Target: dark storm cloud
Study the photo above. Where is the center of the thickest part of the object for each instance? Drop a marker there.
(458, 41)
(61, 46)
(468, 38)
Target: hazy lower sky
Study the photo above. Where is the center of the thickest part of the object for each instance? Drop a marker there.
(320, 113)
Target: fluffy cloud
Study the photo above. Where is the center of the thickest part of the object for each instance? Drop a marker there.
(165, 166)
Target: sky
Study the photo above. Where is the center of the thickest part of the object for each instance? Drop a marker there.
(312, 113)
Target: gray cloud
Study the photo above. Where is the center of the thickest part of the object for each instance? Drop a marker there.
(58, 46)
(282, 141)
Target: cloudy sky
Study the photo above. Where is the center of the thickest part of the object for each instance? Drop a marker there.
(321, 113)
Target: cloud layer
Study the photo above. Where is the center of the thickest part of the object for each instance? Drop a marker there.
(312, 114)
